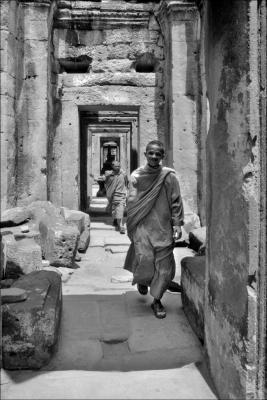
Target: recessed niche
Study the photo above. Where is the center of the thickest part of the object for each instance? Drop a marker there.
(146, 63)
(75, 65)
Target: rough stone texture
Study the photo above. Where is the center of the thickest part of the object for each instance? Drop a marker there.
(179, 26)
(84, 240)
(233, 198)
(83, 221)
(59, 240)
(78, 218)
(10, 42)
(22, 257)
(30, 328)
(193, 288)
(3, 258)
(14, 216)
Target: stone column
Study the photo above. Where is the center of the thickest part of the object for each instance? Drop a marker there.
(10, 42)
(178, 20)
(32, 101)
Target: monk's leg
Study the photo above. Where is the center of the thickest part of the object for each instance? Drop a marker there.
(164, 273)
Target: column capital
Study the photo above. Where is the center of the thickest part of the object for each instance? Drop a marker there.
(183, 10)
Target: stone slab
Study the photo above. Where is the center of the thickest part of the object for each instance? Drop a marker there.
(14, 216)
(97, 242)
(103, 226)
(149, 333)
(114, 319)
(193, 287)
(12, 295)
(22, 257)
(117, 249)
(30, 328)
(84, 240)
(118, 240)
(124, 276)
(185, 383)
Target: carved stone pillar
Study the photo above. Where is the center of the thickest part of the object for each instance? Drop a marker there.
(33, 78)
(178, 20)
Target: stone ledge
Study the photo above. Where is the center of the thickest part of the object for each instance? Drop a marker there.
(193, 286)
(102, 79)
(30, 328)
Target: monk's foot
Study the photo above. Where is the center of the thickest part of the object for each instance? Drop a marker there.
(158, 309)
(142, 289)
(122, 230)
(174, 287)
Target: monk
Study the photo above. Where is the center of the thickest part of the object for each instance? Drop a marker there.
(154, 219)
(116, 189)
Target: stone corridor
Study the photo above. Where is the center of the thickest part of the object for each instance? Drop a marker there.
(111, 346)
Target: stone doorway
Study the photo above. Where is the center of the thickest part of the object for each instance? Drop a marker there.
(105, 133)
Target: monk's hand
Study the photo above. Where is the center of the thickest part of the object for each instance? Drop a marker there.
(177, 232)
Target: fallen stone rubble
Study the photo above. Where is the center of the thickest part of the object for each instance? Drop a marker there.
(42, 231)
(30, 327)
(40, 244)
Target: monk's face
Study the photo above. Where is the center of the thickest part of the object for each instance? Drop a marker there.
(116, 167)
(154, 155)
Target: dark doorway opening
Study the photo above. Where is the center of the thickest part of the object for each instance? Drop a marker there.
(105, 131)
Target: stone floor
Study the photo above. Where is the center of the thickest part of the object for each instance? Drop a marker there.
(111, 345)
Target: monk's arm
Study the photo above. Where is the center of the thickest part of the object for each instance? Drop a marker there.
(177, 209)
(132, 189)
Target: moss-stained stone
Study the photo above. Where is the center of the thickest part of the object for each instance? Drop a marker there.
(30, 328)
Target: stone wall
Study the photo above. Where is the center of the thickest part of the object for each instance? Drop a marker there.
(124, 70)
(115, 44)
(179, 22)
(24, 84)
(10, 48)
(233, 196)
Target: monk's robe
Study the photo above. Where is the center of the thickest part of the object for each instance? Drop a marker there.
(115, 185)
(154, 206)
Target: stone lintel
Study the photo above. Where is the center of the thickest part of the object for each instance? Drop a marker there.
(36, 3)
(89, 15)
(121, 79)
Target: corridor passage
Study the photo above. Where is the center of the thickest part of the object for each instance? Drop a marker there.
(111, 346)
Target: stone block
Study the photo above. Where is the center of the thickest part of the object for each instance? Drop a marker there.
(59, 242)
(74, 217)
(193, 286)
(13, 295)
(197, 238)
(22, 257)
(84, 240)
(30, 328)
(14, 216)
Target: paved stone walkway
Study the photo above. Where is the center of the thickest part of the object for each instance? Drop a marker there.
(111, 345)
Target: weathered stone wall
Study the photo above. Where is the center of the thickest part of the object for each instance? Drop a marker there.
(25, 28)
(78, 91)
(10, 45)
(233, 195)
(45, 40)
(31, 102)
(179, 22)
(125, 70)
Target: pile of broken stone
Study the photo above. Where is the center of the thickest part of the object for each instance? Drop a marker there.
(40, 246)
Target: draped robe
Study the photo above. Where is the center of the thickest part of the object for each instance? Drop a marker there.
(154, 206)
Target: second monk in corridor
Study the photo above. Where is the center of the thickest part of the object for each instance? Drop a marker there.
(154, 218)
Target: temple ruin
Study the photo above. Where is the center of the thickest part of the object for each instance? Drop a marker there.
(80, 79)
